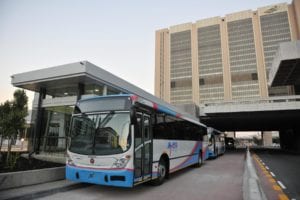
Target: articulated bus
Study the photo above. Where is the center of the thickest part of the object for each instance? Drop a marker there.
(216, 143)
(124, 140)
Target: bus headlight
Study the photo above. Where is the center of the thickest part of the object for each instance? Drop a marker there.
(122, 162)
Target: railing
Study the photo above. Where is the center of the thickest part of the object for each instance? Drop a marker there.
(256, 101)
(279, 103)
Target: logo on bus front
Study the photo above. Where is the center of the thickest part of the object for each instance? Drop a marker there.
(92, 161)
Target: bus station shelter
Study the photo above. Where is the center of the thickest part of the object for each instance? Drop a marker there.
(56, 91)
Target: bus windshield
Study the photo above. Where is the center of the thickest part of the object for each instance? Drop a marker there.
(100, 134)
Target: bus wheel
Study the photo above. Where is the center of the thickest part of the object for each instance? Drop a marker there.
(161, 172)
(199, 163)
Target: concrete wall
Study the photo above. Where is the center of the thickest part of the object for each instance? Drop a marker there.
(31, 177)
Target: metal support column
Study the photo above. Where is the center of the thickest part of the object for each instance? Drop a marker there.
(80, 90)
(38, 121)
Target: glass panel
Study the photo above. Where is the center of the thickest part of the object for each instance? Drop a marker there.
(147, 159)
(138, 163)
(147, 140)
(55, 127)
(146, 129)
(138, 151)
(180, 66)
(138, 132)
(93, 89)
(63, 91)
(112, 91)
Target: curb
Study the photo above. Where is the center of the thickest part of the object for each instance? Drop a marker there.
(45, 192)
(18, 179)
(252, 189)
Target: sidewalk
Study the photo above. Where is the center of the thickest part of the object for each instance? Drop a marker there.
(39, 190)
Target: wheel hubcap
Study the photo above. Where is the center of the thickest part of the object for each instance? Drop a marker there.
(162, 171)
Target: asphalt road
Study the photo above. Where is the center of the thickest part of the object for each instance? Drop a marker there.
(221, 178)
(285, 168)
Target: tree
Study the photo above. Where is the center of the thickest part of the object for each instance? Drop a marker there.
(12, 118)
(2, 132)
(6, 121)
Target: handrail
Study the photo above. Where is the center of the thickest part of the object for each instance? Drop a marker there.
(255, 101)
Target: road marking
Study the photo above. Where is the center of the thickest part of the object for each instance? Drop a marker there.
(283, 197)
(281, 185)
(268, 175)
(272, 174)
(277, 188)
(267, 168)
(272, 180)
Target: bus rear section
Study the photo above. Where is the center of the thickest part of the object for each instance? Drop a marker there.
(216, 143)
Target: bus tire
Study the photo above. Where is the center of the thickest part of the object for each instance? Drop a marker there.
(200, 160)
(162, 172)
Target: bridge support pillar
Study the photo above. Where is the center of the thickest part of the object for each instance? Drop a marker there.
(267, 138)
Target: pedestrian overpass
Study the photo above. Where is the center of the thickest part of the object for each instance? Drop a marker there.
(273, 113)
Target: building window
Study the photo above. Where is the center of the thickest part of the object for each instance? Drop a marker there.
(254, 76)
(201, 81)
(173, 84)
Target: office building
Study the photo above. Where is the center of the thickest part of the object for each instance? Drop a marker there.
(224, 58)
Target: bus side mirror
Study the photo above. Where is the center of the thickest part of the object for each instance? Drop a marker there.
(133, 116)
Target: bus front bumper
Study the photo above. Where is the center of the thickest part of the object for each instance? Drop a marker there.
(109, 177)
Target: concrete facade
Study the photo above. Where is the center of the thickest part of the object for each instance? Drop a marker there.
(286, 66)
(223, 58)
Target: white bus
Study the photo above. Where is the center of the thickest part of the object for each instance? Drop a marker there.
(216, 143)
(124, 140)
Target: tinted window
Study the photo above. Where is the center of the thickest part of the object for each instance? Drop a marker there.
(176, 129)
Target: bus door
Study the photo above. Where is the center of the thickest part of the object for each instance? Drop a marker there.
(142, 148)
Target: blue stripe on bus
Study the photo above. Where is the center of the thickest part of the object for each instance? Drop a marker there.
(101, 177)
(166, 110)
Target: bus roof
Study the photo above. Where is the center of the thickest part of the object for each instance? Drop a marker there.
(165, 108)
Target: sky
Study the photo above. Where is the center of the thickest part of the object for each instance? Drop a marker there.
(118, 36)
